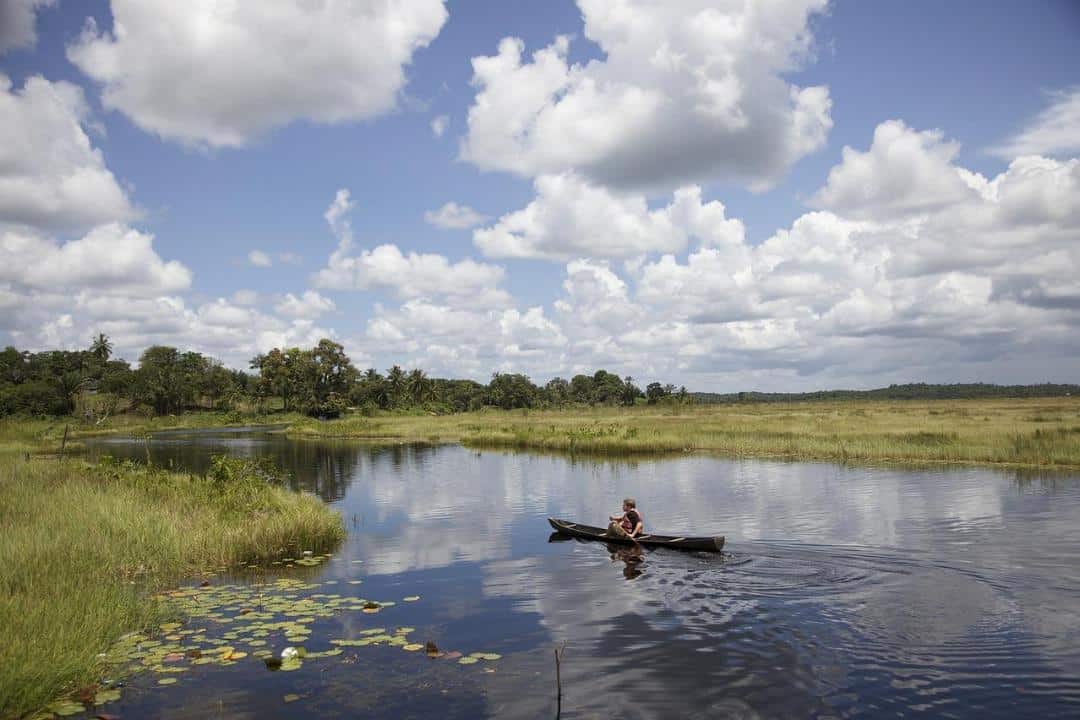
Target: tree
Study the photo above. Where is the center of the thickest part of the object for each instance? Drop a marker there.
(418, 387)
(160, 379)
(101, 348)
(557, 391)
(395, 379)
(511, 390)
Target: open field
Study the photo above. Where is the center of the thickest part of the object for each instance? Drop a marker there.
(1023, 432)
(83, 546)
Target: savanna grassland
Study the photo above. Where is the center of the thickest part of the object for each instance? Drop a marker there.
(1036, 432)
(84, 546)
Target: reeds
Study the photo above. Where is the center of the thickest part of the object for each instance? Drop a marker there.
(82, 547)
(1022, 432)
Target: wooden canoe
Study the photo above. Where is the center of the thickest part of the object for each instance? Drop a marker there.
(587, 532)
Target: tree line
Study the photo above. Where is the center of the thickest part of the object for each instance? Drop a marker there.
(907, 391)
(320, 381)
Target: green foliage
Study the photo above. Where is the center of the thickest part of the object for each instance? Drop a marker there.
(83, 545)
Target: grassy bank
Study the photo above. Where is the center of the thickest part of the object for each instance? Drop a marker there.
(82, 547)
(46, 434)
(1023, 432)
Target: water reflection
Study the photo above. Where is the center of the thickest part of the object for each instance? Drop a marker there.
(847, 591)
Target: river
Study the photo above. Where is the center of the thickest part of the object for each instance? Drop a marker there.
(843, 591)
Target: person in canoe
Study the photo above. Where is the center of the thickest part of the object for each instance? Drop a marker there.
(630, 524)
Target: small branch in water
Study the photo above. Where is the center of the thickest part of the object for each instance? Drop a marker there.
(558, 680)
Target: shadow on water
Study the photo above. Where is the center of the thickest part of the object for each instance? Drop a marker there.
(845, 591)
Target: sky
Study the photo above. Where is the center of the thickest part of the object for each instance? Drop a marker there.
(786, 195)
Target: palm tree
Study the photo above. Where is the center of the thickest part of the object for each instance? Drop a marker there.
(418, 386)
(395, 377)
(101, 348)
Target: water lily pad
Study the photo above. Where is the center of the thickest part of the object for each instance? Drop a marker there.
(290, 664)
(291, 697)
(167, 681)
(106, 696)
(67, 707)
(412, 647)
(485, 656)
(404, 630)
(467, 660)
(411, 598)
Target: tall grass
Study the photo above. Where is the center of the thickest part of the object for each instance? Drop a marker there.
(83, 546)
(1037, 432)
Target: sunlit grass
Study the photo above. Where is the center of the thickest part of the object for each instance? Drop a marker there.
(82, 547)
(1030, 432)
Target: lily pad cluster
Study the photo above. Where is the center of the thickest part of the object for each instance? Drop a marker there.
(228, 624)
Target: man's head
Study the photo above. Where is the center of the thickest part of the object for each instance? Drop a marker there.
(629, 504)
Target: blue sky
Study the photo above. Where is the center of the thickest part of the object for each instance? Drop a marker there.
(664, 192)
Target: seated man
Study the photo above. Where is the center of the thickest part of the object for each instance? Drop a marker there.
(630, 524)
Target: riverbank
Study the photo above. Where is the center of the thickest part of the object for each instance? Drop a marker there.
(84, 546)
(1042, 432)
(46, 435)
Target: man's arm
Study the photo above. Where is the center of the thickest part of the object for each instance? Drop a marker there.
(637, 529)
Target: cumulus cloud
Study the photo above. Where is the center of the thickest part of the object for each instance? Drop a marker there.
(452, 216)
(17, 23)
(873, 292)
(222, 328)
(467, 341)
(686, 90)
(51, 175)
(572, 217)
(110, 259)
(308, 304)
(439, 125)
(287, 60)
(411, 275)
(1054, 131)
(903, 172)
(259, 259)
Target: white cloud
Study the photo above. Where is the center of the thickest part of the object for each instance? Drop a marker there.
(259, 259)
(308, 304)
(220, 328)
(687, 90)
(459, 341)
(245, 297)
(17, 23)
(110, 259)
(1054, 131)
(287, 60)
(571, 217)
(975, 288)
(439, 125)
(290, 258)
(51, 176)
(452, 216)
(903, 172)
(412, 275)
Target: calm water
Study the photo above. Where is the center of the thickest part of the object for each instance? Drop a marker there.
(845, 591)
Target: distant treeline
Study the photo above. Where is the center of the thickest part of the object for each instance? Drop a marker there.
(320, 381)
(910, 391)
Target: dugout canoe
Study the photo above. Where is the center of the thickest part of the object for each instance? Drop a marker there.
(678, 542)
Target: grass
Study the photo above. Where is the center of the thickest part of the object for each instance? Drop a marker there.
(37, 435)
(83, 547)
(1043, 432)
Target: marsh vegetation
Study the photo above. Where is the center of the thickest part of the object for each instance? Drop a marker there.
(1032, 432)
(85, 546)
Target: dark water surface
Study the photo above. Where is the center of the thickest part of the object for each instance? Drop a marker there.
(844, 592)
